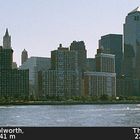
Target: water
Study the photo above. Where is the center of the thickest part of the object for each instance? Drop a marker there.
(71, 115)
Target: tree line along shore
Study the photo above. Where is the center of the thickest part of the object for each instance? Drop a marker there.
(59, 100)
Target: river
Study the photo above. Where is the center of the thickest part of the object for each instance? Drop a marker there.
(71, 115)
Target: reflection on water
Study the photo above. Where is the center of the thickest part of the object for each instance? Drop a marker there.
(71, 115)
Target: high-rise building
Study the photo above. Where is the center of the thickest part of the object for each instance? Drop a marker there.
(132, 44)
(104, 62)
(24, 56)
(13, 82)
(103, 81)
(64, 77)
(112, 44)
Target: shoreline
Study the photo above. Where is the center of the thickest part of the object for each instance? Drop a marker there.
(70, 103)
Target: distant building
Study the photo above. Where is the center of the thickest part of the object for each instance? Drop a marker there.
(36, 65)
(13, 82)
(24, 56)
(112, 44)
(103, 81)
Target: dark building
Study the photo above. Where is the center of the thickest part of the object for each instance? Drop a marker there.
(127, 86)
(132, 44)
(13, 82)
(90, 64)
(6, 58)
(80, 48)
(112, 44)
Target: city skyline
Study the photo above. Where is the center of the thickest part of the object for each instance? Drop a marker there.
(39, 26)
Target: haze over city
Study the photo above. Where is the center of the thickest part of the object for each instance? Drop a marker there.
(39, 26)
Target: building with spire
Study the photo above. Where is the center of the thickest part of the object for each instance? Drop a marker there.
(7, 40)
(13, 82)
(24, 56)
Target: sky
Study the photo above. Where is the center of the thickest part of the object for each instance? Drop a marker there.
(39, 26)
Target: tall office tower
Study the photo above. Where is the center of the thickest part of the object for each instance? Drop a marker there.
(80, 47)
(104, 62)
(112, 44)
(24, 56)
(132, 44)
(63, 79)
(13, 82)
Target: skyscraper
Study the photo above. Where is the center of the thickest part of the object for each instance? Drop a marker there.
(24, 56)
(13, 82)
(112, 44)
(64, 78)
(132, 44)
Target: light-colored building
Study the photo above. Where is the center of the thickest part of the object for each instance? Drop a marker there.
(36, 66)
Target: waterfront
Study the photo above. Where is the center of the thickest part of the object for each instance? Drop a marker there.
(71, 115)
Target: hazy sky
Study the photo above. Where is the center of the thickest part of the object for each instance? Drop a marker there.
(40, 26)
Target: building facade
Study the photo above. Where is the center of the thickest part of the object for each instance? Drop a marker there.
(103, 81)
(91, 64)
(99, 83)
(113, 44)
(64, 77)
(80, 48)
(104, 62)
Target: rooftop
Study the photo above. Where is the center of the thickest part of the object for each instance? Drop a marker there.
(135, 10)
